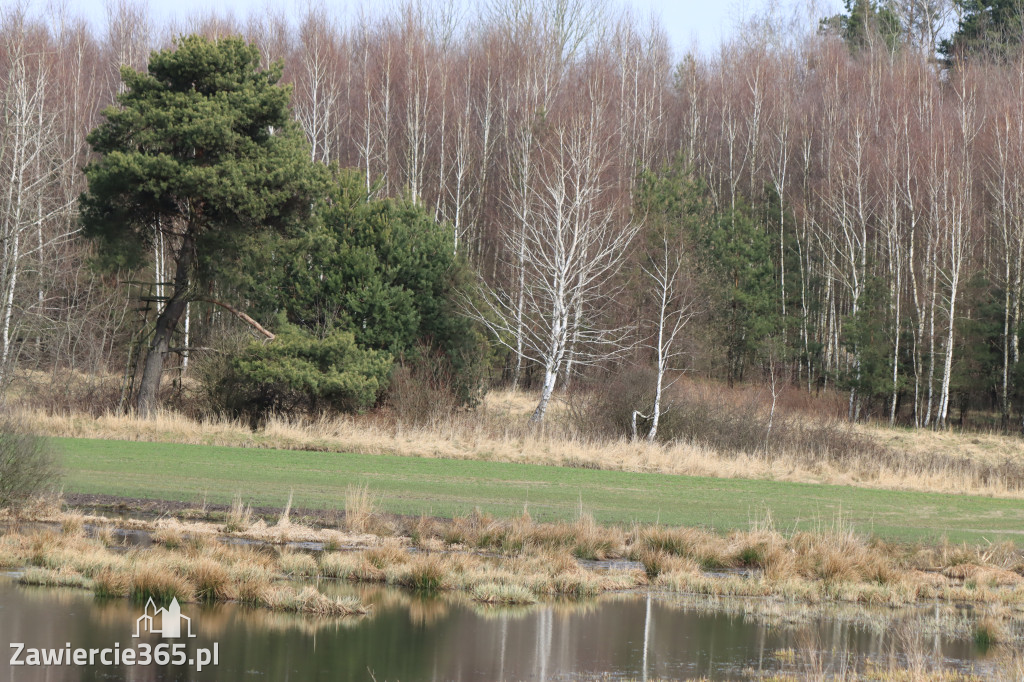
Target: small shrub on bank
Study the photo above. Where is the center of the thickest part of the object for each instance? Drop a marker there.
(28, 468)
(423, 392)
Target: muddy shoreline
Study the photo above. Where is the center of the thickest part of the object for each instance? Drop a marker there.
(140, 507)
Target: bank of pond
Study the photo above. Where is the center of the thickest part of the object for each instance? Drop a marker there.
(498, 600)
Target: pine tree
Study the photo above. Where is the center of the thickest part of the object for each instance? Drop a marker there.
(202, 151)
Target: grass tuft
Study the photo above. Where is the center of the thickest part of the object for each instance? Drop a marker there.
(161, 583)
(50, 578)
(110, 583)
(211, 579)
(171, 538)
(239, 516)
(989, 631)
(298, 564)
(311, 601)
(502, 593)
(427, 574)
(359, 508)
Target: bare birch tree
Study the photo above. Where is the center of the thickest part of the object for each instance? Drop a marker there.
(573, 247)
(676, 304)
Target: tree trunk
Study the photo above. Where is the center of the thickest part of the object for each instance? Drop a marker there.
(652, 435)
(550, 377)
(166, 323)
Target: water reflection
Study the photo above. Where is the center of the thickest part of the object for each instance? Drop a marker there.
(413, 637)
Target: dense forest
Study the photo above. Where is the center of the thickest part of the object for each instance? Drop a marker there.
(542, 193)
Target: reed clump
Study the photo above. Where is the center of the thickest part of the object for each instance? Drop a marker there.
(239, 517)
(110, 583)
(72, 524)
(159, 583)
(503, 593)
(212, 580)
(425, 574)
(171, 538)
(359, 508)
(656, 562)
(298, 564)
(104, 533)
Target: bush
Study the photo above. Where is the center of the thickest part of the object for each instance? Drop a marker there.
(727, 424)
(606, 411)
(63, 392)
(28, 467)
(298, 372)
(423, 391)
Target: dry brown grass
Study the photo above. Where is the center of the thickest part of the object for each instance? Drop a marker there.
(168, 537)
(309, 600)
(160, 581)
(499, 430)
(359, 508)
(297, 564)
(502, 593)
(65, 577)
(104, 532)
(212, 580)
(239, 516)
(657, 562)
(187, 572)
(832, 564)
(110, 583)
(72, 525)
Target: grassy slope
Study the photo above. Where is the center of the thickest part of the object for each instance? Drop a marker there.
(442, 487)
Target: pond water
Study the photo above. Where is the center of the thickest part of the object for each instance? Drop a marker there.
(410, 637)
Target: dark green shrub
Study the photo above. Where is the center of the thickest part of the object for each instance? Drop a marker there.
(298, 372)
(383, 270)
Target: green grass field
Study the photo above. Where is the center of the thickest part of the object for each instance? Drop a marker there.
(408, 485)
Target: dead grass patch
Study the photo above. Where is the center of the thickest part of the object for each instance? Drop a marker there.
(311, 601)
(212, 580)
(498, 430)
(298, 564)
(63, 577)
(833, 564)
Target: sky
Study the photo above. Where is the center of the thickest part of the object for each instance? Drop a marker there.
(697, 25)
